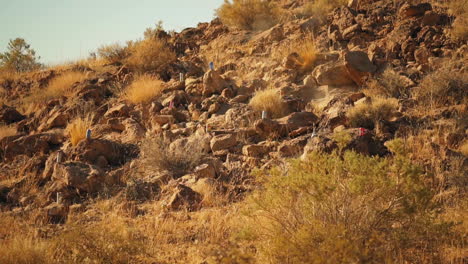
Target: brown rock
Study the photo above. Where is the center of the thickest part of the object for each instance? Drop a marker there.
(32, 145)
(9, 115)
(184, 197)
(205, 171)
(221, 142)
(333, 74)
(213, 83)
(120, 110)
(256, 151)
(115, 153)
(408, 10)
(358, 66)
(85, 177)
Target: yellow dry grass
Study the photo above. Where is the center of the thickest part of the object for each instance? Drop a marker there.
(150, 54)
(76, 130)
(143, 89)
(6, 131)
(305, 48)
(62, 84)
(249, 14)
(320, 8)
(269, 100)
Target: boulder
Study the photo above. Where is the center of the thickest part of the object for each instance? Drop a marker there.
(56, 213)
(84, 177)
(256, 151)
(32, 145)
(320, 144)
(119, 110)
(408, 10)
(333, 74)
(115, 153)
(9, 115)
(290, 148)
(205, 171)
(283, 126)
(183, 197)
(213, 83)
(221, 142)
(359, 66)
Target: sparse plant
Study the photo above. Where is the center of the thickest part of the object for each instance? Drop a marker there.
(269, 100)
(157, 156)
(150, 54)
(368, 114)
(388, 84)
(113, 53)
(76, 129)
(320, 8)
(19, 57)
(459, 8)
(249, 14)
(61, 85)
(348, 208)
(444, 86)
(143, 89)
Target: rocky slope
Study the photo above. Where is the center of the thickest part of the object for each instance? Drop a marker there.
(204, 124)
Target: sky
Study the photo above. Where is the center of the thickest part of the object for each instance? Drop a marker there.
(65, 30)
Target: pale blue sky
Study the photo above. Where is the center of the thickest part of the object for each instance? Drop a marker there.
(65, 30)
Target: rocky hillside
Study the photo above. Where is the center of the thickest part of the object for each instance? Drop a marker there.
(166, 155)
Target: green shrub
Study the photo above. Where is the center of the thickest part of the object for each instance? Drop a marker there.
(249, 14)
(348, 208)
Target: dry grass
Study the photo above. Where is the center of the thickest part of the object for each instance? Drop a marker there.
(249, 14)
(113, 52)
(143, 89)
(368, 115)
(6, 131)
(306, 50)
(320, 8)
(269, 100)
(150, 54)
(445, 86)
(76, 130)
(388, 84)
(459, 8)
(158, 156)
(61, 85)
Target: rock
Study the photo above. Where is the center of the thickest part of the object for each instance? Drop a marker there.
(421, 55)
(351, 31)
(296, 120)
(207, 187)
(9, 115)
(256, 151)
(32, 145)
(184, 197)
(320, 144)
(294, 147)
(333, 74)
(120, 110)
(163, 119)
(56, 213)
(213, 83)
(221, 142)
(85, 177)
(408, 10)
(291, 61)
(431, 18)
(133, 130)
(358, 66)
(115, 153)
(205, 171)
(57, 118)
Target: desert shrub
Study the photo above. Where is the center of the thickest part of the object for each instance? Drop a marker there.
(350, 208)
(61, 85)
(320, 8)
(388, 84)
(459, 8)
(143, 89)
(19, 57)
(76, 130)
(249, 14)
(442, 87)
(113, 53)
(150, 54)
(158, 156)
(269, 100)
(368, 114)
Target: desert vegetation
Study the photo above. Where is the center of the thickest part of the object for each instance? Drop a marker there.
(268, 100)
(143, 89)
(77, 128)
(249, 14)
(149, 54)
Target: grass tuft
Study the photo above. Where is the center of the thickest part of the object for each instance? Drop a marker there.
(269, 100)
(143, 89)
(249, 14)
(76, 130)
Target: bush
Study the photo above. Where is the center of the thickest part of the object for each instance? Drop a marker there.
(368, 114)
(344, 209)
(158, 156)
(150, 54)
(249, 14)
(320, 8)
(443, 87)
(459, 8)
(389, 84)
(113, 53)
(61, 85)
(269, 100)
(143, 89)
(19, 57)
(76, 130)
